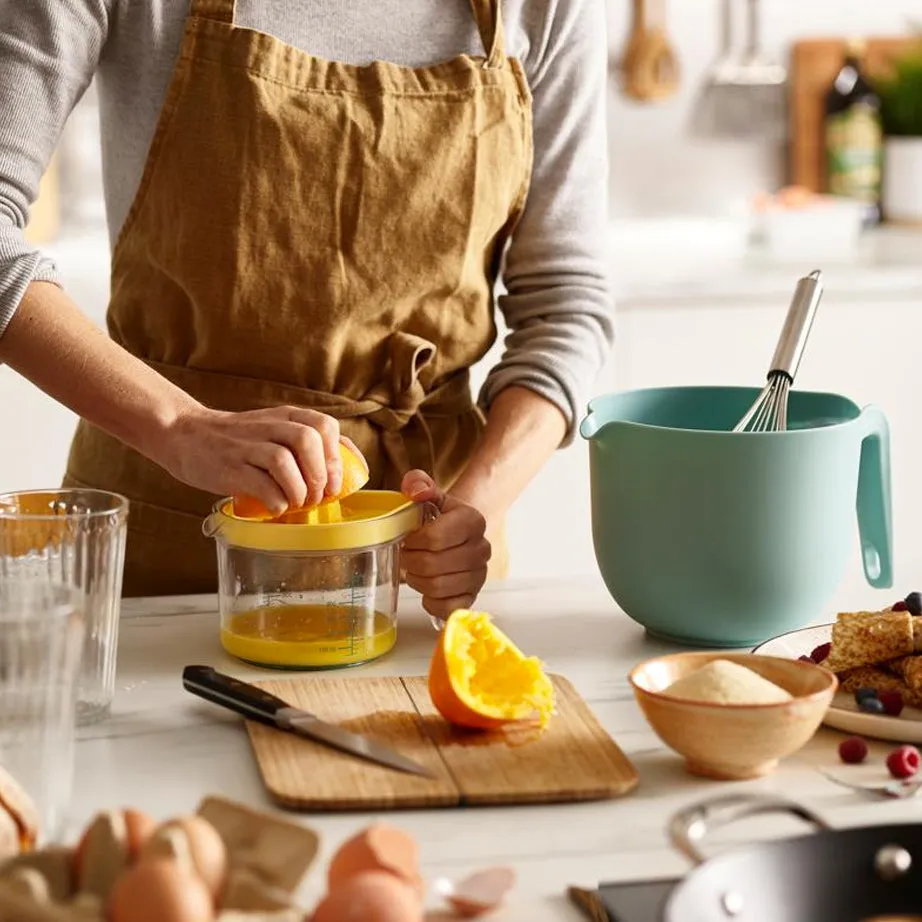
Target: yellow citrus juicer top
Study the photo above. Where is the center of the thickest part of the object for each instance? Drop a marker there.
(363, 519)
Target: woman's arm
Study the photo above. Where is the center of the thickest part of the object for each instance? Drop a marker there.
(50, 342)
(523, 430)
(558, 304)
(284, 456)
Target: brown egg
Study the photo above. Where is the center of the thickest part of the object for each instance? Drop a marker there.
(110, 843)
(159, 890)
(378, 848)
(132, 827)
(372, 896)
(194, 838)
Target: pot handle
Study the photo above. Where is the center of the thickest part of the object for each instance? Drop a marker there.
(430, 512)
(875, 514)
(690, 825)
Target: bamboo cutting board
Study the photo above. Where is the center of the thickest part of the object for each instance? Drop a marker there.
(573, 760)
(814, 65)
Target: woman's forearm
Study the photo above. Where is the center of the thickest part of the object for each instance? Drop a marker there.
(50, 342)
(523, 430)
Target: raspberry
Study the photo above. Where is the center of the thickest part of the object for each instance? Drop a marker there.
(821, 652)
(892, 702)
(900, 606)
(805, 658)
(903, 762)
(853, 750)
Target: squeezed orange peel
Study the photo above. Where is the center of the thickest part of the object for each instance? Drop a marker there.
(479, 679)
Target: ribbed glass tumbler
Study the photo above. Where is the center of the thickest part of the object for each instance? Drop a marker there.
(41, 645)
(75, 537)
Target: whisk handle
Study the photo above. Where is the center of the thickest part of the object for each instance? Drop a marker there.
(797, 324)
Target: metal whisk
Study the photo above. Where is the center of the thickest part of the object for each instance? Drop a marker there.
(770, 411)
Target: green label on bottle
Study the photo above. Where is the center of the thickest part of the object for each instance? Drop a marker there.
(854, 142)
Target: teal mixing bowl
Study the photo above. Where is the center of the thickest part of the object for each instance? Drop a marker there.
(721, 539)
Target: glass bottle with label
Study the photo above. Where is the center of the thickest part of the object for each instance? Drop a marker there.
(854, 135)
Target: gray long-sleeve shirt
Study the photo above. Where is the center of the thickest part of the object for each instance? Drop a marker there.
(556, 304)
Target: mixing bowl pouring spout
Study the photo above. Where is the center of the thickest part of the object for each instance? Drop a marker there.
(592, 426)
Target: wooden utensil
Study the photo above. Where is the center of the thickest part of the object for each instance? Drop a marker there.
(589, 903)
(814, 65)
(650, 66)
(574, 759)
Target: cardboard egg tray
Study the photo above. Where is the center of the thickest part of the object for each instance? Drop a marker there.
(268, 857)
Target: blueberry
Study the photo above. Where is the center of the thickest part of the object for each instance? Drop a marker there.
(914, 603)
(865, 694)
(871, 706)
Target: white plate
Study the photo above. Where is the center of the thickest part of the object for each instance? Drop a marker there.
(843, 714)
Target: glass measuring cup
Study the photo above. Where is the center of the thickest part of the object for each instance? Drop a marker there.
(313, 596)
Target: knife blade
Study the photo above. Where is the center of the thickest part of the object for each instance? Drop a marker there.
(255, 704)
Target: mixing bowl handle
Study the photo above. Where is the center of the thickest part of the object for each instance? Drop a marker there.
(875, 515)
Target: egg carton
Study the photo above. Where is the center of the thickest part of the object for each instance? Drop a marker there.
(267, 858)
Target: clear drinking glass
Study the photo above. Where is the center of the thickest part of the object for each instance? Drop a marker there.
(41, 644)
(75, 537)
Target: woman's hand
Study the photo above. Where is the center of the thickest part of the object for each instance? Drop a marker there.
(445, 560)
(286, 457)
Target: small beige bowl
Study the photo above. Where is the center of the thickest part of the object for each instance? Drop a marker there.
(734, 741)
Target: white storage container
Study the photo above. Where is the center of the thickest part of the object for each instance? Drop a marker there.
(827, 226)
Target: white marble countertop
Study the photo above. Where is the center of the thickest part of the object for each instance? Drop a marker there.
(163, 750)
(702, 262)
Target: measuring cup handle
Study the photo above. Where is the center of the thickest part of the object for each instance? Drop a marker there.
(430, 512)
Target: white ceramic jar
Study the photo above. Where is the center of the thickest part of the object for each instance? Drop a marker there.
(901, 198)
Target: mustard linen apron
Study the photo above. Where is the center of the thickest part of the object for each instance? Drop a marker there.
(312, 233)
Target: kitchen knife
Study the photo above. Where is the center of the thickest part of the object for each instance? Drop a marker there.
(256, 704)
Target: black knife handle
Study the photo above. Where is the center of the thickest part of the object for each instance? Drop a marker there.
(253, 703)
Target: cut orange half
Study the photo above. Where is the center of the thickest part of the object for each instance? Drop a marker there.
(478, 678)
(355, 476)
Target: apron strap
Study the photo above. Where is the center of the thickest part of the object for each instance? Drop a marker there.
(215, 10)
(489, 16)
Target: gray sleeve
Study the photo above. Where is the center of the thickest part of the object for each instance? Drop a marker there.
(557, 304)
(49, 50)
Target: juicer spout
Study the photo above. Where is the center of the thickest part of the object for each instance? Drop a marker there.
(211, 526)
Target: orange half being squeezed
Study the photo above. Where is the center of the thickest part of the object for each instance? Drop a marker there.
(355, 476)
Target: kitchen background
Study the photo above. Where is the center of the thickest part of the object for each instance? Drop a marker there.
(696, 301)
